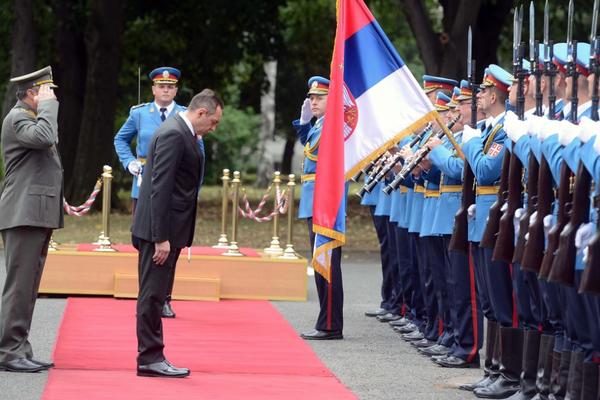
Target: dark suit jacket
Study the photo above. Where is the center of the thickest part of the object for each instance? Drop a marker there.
(166, 207)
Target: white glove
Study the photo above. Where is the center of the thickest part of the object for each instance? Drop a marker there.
(587, 129)
(533, 218)
(471, 211)
(597, 144)
(536, 124)
(305, 112)
(586, 252)
(584, 235)
(548, 128)
(135, 167)
(567, 132)
(470, 133)
(504, 207)
(517, 220)
(547, 224)
(513, 127)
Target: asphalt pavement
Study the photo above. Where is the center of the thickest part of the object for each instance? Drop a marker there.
(372, 360)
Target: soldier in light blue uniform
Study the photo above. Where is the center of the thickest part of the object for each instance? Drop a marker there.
(484, 152)
(466, 315)
(141, 124)
(434, 246)
(331, 294)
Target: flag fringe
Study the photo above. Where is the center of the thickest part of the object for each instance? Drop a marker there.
(325, 270)
(430, 116)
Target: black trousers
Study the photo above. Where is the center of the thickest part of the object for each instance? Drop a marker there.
(331, 294)
(25, 249)
(154, 281)
(387, 284)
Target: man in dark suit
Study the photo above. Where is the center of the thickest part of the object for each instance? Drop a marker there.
(165, 218)
(30, 208)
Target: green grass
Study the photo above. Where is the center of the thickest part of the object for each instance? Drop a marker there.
(360, 233)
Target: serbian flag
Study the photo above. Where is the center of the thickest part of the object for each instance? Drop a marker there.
(374, 101)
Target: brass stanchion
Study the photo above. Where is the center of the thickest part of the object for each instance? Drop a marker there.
(52, 245)
(289, 253)
(104, 243)
(275, 249)
(223, 243)
(234, 250)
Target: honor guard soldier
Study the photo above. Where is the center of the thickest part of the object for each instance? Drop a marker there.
(141, 124)
(330, 321)
(30, 208)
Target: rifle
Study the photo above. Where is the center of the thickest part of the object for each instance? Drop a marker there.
(388, 165)
(590, 279)
(415, 160)
(533, 253)
(565, 191)
(459, 240)
(488, 240)
(563, 268)
(533, 166)
(505, 243)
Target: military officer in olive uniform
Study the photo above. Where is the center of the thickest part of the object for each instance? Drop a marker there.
(30, 208)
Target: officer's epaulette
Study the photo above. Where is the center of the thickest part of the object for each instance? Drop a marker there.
(28, 111)
(138, 106)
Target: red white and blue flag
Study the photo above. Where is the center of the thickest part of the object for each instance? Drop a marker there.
(373, 102)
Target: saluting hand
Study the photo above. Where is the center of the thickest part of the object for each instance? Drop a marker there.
(45, 93)
(161, 252)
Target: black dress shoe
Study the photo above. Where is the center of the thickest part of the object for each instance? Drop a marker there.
(408, 328)
(21, 365)
(376, 313)
(388, 317)
(162, 369)
(46, 365)
(167, 310)
(412, 336)
(400, 322)
(322, 335)
(455, 362)
(483, 382)
(500, 389)
(435, 350)
(423, 343)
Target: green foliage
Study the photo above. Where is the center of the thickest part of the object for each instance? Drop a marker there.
(233, 143)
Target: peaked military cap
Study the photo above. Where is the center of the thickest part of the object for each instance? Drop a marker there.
(167, 75)
(35, 79)
(431, 83)
(318, 85)
(561, 57)
(465, 91)
(496, 76)
(441, 102)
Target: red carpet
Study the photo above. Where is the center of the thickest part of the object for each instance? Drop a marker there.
(196, 250)
(235, 349)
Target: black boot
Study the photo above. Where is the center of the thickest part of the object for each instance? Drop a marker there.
(511, 356)
(560, 375)
(531, 350)
(544, 367)
(589, 385)
(575, 376)
(490, 371)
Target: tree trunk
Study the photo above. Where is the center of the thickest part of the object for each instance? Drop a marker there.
(445, 54)
(265, 164)
(95, 147)
(23, 48)
(69, 73)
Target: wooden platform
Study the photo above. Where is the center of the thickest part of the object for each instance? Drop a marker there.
(207, 277)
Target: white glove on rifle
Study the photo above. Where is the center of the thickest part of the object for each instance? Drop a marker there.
(584, 235)
(305, 112)
(514, 127)
(519, 212)
(470, 133)
(536, 124)
(567, 132)
(547, 224)
(587, 129)
(548, 128)
(135, 167)
(471, 211)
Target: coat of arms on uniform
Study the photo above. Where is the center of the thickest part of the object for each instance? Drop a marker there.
(350, 113)
(495, 149)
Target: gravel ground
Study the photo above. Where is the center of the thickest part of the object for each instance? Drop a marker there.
(372, 360)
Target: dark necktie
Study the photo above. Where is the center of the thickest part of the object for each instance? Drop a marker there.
(162, 114)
